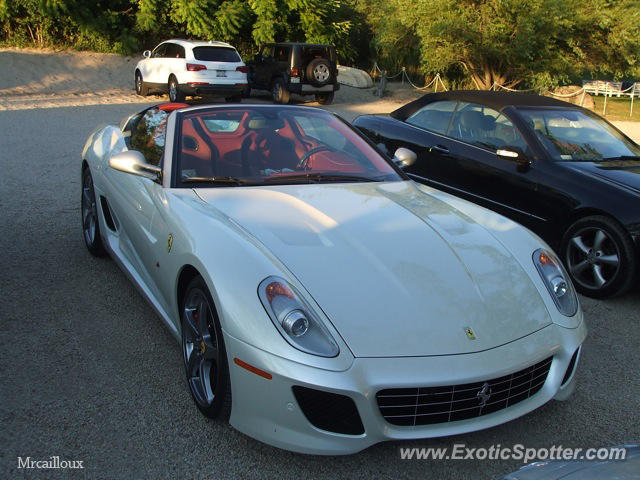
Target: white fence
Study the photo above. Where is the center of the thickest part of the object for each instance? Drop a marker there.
(610, 89)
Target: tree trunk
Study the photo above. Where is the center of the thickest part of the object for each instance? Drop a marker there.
(487, 77)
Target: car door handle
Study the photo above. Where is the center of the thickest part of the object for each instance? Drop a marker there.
(439, 149)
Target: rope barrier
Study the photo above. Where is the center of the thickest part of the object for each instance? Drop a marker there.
(567, 95)
(496, 84)
(437, 79)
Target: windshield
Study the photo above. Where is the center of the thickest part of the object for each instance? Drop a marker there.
(571, 135)
(234, 146)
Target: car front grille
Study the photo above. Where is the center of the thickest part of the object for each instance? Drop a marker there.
(430, 405)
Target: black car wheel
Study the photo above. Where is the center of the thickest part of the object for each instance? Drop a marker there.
(175, 95)
(600, 257)
(141, 88)
(279, 92)
(205, 358)
(324, 98)
(90, 223)
(234, 99)
(319, 72)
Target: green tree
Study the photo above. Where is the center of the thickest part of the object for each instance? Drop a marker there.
(613, 39)
(539, 42)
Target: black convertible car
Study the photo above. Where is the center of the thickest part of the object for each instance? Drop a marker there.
(559, 169)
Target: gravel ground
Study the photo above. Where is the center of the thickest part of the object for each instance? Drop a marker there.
(89, 373)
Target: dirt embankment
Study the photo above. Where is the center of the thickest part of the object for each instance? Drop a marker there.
(46, 79)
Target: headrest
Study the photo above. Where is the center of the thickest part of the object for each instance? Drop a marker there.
(489, 122)
(260, 122)
(472, 120)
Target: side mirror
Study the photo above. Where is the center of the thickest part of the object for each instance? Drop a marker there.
(133, 162)
(515, 155)
(404, 157)
(146, 54)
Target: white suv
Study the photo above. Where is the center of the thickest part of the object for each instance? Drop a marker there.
(184, 67)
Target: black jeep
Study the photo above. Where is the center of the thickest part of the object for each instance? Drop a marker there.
(301, 68)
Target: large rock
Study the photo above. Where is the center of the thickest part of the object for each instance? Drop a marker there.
(354, 77)
(575, 99)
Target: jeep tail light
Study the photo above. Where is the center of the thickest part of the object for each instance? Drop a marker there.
(242, 69)
(295, 72)
(195, 67)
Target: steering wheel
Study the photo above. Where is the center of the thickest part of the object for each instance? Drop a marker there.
(302, 164)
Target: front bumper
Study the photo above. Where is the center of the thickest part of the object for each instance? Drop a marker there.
(267, 410)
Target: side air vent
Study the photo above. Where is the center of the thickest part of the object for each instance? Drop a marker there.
(571, 367)
(329, 411)
(108, 218)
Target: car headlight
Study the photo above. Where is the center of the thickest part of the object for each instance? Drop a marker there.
(556, 281)
(295, 319)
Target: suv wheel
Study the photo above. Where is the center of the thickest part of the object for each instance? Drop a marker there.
(319, 72)
(175, 95)
(324, 98)
(279, 92)
(141, 88)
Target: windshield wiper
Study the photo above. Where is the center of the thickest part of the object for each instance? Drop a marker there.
(319, 178)
(216, 180)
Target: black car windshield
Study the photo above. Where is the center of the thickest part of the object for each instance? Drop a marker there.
(571, 135)
(254, 145)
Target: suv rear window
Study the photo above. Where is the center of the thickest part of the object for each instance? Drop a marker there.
(309, 52)
(216, 54)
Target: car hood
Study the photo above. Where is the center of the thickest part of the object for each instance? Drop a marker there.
(397, 271)
(621, 173)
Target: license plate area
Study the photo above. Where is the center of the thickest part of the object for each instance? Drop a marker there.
(221, 73)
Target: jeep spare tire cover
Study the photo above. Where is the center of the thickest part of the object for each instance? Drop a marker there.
(319, 72)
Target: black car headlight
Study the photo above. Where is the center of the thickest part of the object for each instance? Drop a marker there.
(295, 319)
(557, 281)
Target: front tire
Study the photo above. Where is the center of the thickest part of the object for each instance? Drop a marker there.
(600, 257)
(324, 98)
(204, 354)
(90, 223)
(175, 95)
(141, 88)
(279, 92)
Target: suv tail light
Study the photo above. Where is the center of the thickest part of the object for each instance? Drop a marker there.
(295, 72)
(195, 67)
(242, 69)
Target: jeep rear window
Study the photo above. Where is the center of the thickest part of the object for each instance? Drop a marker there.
(216, 54)
(314, 52)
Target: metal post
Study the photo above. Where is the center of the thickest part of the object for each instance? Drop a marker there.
(404, 72)
(584, 92)
(604, 108)
(383, 83)
(435, 88)
(633, 94)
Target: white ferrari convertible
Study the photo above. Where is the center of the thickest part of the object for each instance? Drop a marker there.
(324, 301)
